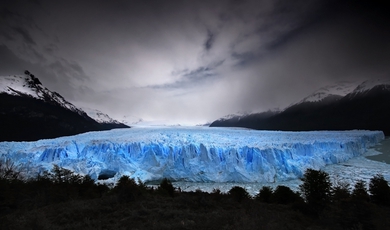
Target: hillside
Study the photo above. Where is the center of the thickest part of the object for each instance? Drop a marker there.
(365, 107)
(29, 111)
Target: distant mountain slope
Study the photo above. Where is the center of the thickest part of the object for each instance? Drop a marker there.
(335, 91)
(103, 118)
(29, 111)
(243, 121)
(28, 85)
(366, 107)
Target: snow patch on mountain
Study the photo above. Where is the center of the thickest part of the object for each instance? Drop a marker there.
(130, 120)
(230, 116)
(238, 115)
(99, 116)
(369, 84)
(340, 89)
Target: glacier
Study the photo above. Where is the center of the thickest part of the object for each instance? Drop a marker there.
(192, 154)
(355, 169)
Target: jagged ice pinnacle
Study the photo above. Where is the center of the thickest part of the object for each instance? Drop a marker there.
(197, 154)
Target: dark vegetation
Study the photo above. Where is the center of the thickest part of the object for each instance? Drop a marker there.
(60, 199)
(369, 110)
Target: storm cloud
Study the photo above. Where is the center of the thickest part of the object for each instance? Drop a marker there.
(193, 61)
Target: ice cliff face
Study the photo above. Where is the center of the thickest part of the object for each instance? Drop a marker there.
(198, 154)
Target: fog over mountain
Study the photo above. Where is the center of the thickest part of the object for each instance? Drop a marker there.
(190, 62)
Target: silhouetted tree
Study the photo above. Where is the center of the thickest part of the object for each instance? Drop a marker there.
(284, 195)
(127, 189)
(359, 192)
(8, 170)
(238, 193)
(340, 192)
(265, 194)
(216, 194)
(62, 175)
(316, 187)
(380, 190)
(166, 187)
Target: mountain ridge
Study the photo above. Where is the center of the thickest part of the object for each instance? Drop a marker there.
(365, 107)
(28, 85)
(337, 90)
(29, 111)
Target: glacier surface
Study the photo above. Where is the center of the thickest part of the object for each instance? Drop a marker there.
(193, 154)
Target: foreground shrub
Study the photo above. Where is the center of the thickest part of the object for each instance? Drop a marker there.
(380, 190)
(127, 189)
(69, 185)
(359, 192)
(8, 171)
(238, 194)
(166, 188)
(340, 192)
(61, 175)
(265, 194)
(217, 195)
(316, 187)
(284, 195)
(59, 185)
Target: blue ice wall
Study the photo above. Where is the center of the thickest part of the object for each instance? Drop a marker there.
(196, 154)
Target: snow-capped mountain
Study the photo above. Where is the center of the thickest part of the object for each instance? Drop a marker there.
(236, 117)
(337, 90)
(342, 89)
(337, 107)
(99, 116)
(232, 116)
(130, 120)
(371, 84)
(30, 86)
(30, 111)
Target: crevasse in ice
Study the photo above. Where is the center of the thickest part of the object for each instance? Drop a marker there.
(198, 154)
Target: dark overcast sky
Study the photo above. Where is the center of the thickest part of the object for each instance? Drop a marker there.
(193, 61)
